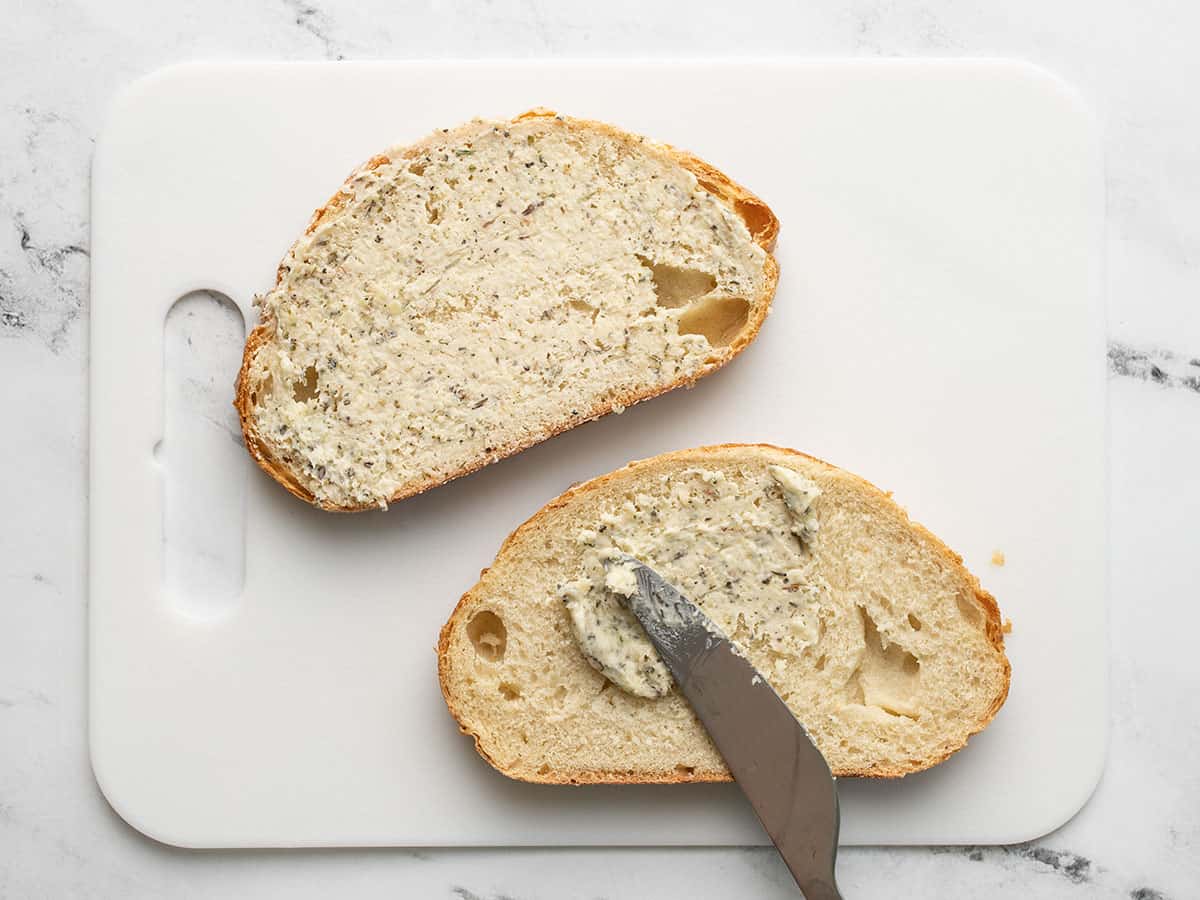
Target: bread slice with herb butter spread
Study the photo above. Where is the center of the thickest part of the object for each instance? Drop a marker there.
(869, 627)
(488, 287)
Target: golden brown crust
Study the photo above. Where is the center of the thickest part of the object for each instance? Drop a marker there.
(759, 219)
(993, 628)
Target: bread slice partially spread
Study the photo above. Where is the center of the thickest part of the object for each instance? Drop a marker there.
(490, 286)
(886, 648)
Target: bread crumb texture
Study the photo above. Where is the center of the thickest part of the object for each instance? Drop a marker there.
(487, 287)
(869, 628)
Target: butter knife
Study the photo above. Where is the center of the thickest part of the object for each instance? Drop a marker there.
(771, 756)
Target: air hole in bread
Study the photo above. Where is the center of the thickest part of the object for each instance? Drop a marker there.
(433, 212)
(854, 687)
(756, 216)
(969, 610)
(685, 771)
(821, 661)
(262, 390)
(888, 675)
(488, 635)
(914, 622)
(719, 319)
(584, 307)
(677, 287)
(303, 391)
(510, 691)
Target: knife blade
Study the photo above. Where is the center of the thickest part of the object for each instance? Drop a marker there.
(771, 756)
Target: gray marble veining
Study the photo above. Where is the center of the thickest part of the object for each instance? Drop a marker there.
(1162, 367)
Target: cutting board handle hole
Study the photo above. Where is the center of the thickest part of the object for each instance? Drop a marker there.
(201, 456)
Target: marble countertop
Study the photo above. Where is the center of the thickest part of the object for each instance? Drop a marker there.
(62, 62)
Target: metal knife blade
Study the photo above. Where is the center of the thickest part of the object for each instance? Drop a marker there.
(771, 756)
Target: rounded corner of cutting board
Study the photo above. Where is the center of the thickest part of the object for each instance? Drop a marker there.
(1051, 821)
(1071, 103)
(126, 105)
(118, 798)
(1065, 804)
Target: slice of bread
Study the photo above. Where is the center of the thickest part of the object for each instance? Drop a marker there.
(470, 295)
(867, 625)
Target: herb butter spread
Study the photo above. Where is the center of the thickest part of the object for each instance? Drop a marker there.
(620, 577)
(799, 494)
(735, 543)
(493, 282)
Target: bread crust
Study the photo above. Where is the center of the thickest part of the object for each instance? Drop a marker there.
(993, 625)
(761, 222)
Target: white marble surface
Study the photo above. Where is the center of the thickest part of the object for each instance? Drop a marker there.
(60, 64)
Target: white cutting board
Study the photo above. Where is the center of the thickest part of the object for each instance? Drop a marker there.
(938, 329)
